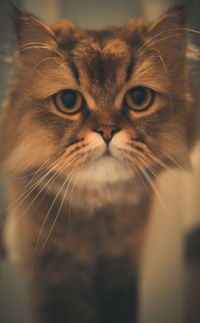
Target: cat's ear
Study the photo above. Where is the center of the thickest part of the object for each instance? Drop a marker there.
(168, 34)
(174, 20)
(30, 30)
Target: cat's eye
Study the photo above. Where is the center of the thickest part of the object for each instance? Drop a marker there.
(68, 101)
(139, 98)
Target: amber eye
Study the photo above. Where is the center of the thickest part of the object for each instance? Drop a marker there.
(139, 98)
(68, 101)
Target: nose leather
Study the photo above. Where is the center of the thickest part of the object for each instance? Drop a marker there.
(107, 131)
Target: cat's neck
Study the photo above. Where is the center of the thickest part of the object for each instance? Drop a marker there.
(84, 198)
(115, 215)
(97, 196)
(94, 195)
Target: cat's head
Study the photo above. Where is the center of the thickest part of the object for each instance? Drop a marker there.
(105, 103)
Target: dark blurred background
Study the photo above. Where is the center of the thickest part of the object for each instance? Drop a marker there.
(162, 297)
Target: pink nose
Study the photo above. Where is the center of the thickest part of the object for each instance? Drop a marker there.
(107, 131)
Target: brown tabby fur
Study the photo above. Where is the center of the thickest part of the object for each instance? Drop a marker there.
(85, 236)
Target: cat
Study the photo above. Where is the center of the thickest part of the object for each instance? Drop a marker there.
(91, 119)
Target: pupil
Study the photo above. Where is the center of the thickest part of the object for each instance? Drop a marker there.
(138, 95)
(69, 98)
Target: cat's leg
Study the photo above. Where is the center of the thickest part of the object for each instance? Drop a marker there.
(117, 290)
(60, 277)
(63, 289)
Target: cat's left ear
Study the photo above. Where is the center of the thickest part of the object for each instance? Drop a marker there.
(30, 29)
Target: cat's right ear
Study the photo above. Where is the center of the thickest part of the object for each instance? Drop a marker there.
(30, 30)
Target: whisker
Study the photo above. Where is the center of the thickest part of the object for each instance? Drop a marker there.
(50, 59)
(154, 187)
(166, 32)
(77, 175)
(166, 167)
(55, 220)
(137, 171)
(150, 181)
(42, 45)
(52, 204)
(29, 188)
(49, 182)
(45, 220)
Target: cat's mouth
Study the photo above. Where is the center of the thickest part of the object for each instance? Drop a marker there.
(107, 168)
(107, 154)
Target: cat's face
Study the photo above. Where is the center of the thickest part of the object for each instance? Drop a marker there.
(105, 103)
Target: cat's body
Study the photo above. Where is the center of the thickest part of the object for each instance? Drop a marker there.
(89, 266)
(88, 172)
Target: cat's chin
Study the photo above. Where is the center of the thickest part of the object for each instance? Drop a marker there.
(107, 181)
(105, 170)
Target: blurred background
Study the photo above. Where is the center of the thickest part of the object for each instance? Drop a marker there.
(168, 281)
